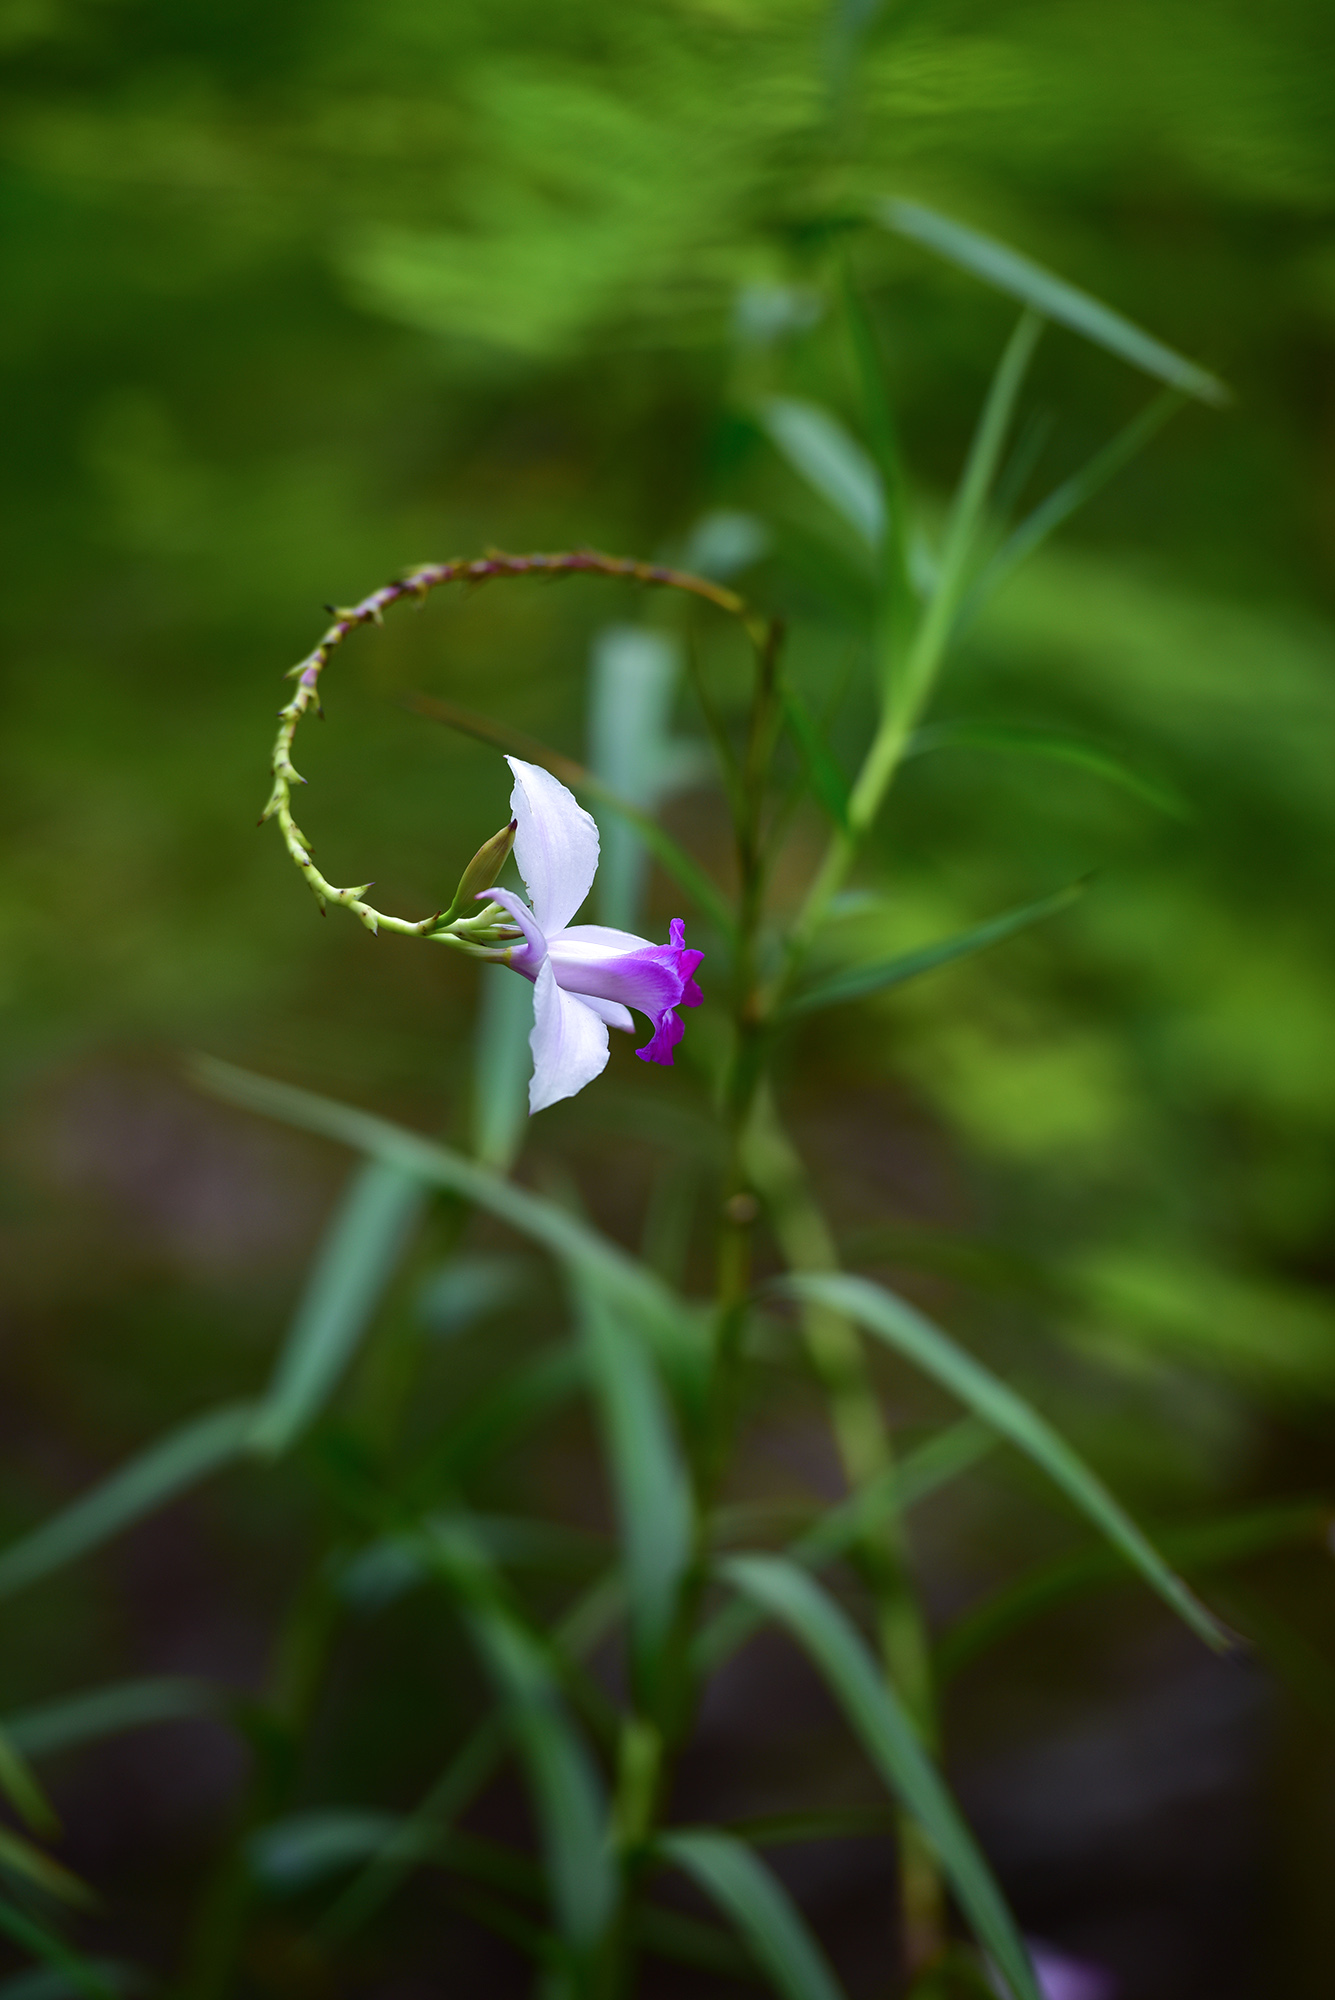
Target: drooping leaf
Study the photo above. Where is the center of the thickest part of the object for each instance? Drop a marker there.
(818, 447)
(912, 1335)
(157, 1475)
(888, 1736)
(72, 1719)
(856, 981)
(933, 1465)
(1009, 271)
(826, 779)
(32, 1864)
(760, 1907)
(653, 1498)
(362, 1245)
(1049, 743)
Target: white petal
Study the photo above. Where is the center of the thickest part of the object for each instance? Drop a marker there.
(527, 957)
(569, 1042)
(612, 941)
(611, 1011)
(556, 844)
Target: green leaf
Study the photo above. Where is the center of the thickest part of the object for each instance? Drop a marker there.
(653, 1496)
(826, 779)
(358, 1256)
(933, 1465)
(759, 1906)
(19, 1785)
(1077, 750)
(567, 1791)
(859, 980)
(818, 447)
(108, 1711)
(174, 1464)
(914, 1336)
(19, 1857)
(1213, 1545)
(85, 1977)
(52, 1982)
(675, 1331)
(501, 1067)
(888, 1736)
(1008, 271)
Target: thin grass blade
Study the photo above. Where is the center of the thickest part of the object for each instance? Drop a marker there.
(50, 1726)
(880, 976)
(653, 1497)
(177, 1462)
(359, 1255)
(32, 1864)
(85, 1978)
(1008, 270)
(1059, 748)
(818, 447)
(760, 1907)
(888, 1736)
(912, 1335)
(827, 781)
(18, 1782)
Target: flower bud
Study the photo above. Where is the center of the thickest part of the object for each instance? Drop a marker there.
(480, 873)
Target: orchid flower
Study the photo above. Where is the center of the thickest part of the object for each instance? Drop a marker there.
(586, 978)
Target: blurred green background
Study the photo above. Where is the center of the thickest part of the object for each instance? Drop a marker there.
(296, 295)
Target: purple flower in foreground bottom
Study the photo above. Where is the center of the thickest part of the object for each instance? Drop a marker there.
(586, 978)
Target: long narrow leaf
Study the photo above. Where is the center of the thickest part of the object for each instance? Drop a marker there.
(567, 1792)
(72, 1719)
(827, 780)
(817, 446)
(1008, 271)
(1077, 750)
(568, 1238)
(361, 1249)
(888, 1736)
(19, 1784)
(759, 1906)
(148, 1482)
(31, 1864)
(911, 1334)
(653, 1499)
(43, 1944)
(859, 980)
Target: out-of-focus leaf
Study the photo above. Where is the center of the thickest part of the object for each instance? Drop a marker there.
(882, 1725)
(826, 779)
(760, 1907)
(87, 1978)
(358, 1256)
(157, 1475)
(468, 1289)
(1052, 744)
(858, 980)
(817, 446)
(53, 1982)
(933, 1465)
(49, 1726)
(31, 1864)
(633, 685)
(569, 1239)
(292, 1853)
(653, 1497)
(19, 1784)
(501, 1067)
(902, 1327)
(1008, 271)
(567, 1792)
(1214, 1545)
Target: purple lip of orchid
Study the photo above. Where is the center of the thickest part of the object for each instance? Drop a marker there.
(586, 977)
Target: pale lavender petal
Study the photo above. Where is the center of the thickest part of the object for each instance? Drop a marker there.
(569, 1043)
(611, 1011)
(556, 844)
(526, 957)
(1063, 1978)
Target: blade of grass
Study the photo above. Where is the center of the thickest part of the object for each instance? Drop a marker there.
(887, 1735)
(360, 1251)
(31, 1864)
(1008, 270)
(824, 775)
(45, 1945)
(49, 1726)
(760, 1907)
(19, 1784)
(914, 1336)
(879, 977)
(684, 870)
(834, 465)
(169, 1467)
(1077, 750)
